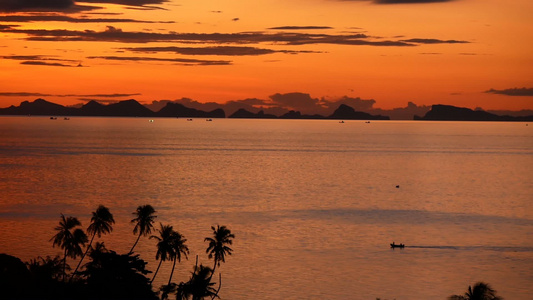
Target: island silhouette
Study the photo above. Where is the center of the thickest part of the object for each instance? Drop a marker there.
(132, 108)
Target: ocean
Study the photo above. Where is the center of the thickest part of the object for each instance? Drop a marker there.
(313, 204)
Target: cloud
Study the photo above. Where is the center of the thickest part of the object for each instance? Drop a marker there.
(398, 1)
(512, 92)
(66, 6)
(434, 41)
(70, 5)
(43, 60)
(25, 5)
(30, 94)
(356, 103)
(215, 50)
(299, 27)
(45, 63)
(297, 101)
(182, 61)
(113, 34)
(60, 18)
(408, 1)
(127, 2)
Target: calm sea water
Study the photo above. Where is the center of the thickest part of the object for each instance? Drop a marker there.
(313, 203)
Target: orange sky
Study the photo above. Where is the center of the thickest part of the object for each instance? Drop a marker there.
(429, 52)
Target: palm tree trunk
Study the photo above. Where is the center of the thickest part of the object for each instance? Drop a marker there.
(172, 272)
(157, 270)
(131, 251)
(65, 266)
(214, 268)
(219, 286)
(84, 254)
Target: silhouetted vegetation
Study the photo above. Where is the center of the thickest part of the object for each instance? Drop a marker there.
(69, 238)
(101, 222)
(107, 274)
(480, 291)
(145, 216)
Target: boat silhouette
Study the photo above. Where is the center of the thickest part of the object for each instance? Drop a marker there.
(393, 245)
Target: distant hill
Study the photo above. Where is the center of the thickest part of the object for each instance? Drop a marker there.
(244, 114)
(127, 108)
(179, 110)
(132, 108)
(348, 113)
(297, 115)
(343, 112)
(441, 112)
(38, 107)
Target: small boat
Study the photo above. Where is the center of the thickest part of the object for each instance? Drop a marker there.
(393, 245)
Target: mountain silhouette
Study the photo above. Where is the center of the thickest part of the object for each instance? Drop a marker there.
(244, 114)
(297, 115)
(442, 112)
(38, 107)
(348, 113)
(179, 110)
(128, 108)
(132, 108)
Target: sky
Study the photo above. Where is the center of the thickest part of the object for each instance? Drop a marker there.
(295, 54)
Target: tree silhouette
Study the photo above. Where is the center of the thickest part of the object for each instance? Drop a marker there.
(218, 245)
(143, 222)
(45, 274)
(117, 276)
(165, 245)
(101, 223)
(46, 269)
(199, 285)
(179, 248)
(69, 238)
(480, 291)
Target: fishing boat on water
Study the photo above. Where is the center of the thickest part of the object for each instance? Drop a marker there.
(393, 245)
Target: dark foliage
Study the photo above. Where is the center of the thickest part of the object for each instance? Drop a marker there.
(117, 276)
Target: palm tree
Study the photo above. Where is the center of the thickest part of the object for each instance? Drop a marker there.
(165, 247)
(199, 286)
(143, 222)
(178, 243)
(101, 223)
(481, 291)
(69, 238)
(218, 248)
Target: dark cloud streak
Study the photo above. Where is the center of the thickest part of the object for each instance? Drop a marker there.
(216, 50)
(42, 60)
(128, 2)
(112, 34)
(60, 18)
(434, 41)
(408, 1)
(399, 1)
(512, 92)
(65, 6)
(182, 61)
(299, 27)
(45, 63)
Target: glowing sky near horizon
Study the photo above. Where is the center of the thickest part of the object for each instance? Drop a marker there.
(470, 53)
